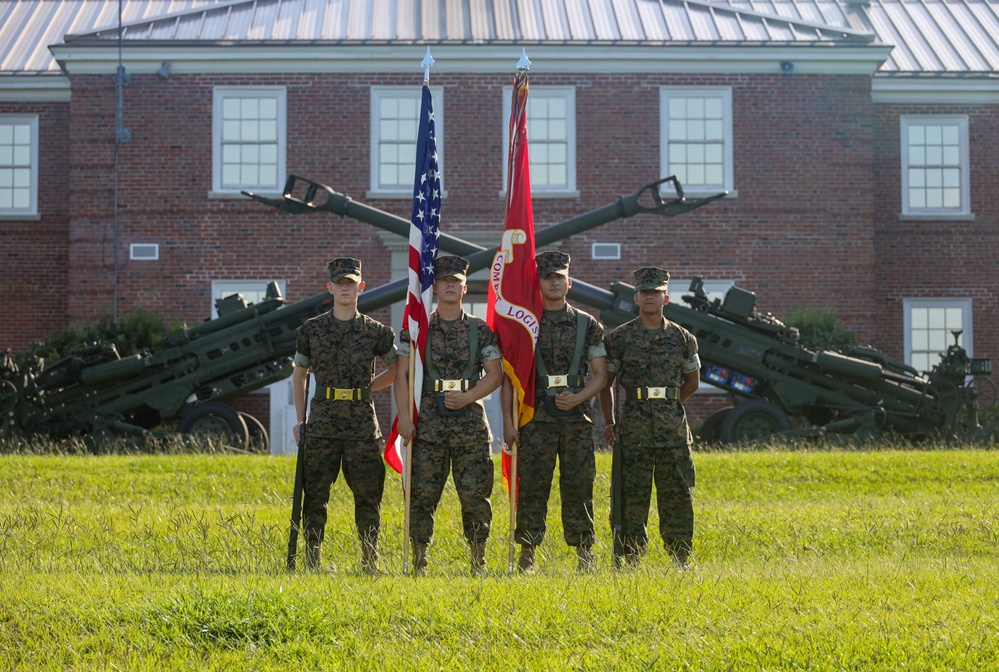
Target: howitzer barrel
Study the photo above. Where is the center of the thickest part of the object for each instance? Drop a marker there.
(848, 367)
(122, 368)
(302, 195)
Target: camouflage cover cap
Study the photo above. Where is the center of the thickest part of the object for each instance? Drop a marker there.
(552, 262)
(456, 266)
(651, 277)
(344, 267)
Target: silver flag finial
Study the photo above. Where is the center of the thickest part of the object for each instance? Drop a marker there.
(524, 63)
(427, 63)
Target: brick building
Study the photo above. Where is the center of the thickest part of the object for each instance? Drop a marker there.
(858, 141)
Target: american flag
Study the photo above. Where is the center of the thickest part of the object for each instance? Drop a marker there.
(423, 235)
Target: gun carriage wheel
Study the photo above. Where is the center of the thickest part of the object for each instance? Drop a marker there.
(753, 419)
(213, 419)
(711, 429)
(987, 393)
(258, 441)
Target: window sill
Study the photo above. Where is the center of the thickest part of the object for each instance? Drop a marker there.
(235, 195)
(538, 195)
(20, 218)
(375, 194)
(937, 217)
(705, 193)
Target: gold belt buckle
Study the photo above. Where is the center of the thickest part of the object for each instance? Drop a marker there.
(450, 385)
(558, 381)
(342, 395)
(656, 392)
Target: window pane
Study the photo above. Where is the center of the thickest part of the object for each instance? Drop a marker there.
(558, 174)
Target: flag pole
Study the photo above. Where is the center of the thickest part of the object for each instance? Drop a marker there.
(407, 468)
(514, 450)
(523, 65)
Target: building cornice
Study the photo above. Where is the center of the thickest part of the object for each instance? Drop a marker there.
(935, 89)
(200, 58)
(34, 88)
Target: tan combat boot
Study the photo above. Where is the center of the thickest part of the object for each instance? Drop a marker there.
(420, 559)
(525, 565)
(584, 558)
(369, 556)
(478, 558)
(314, 555)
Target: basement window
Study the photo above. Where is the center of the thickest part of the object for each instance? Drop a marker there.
(144, 251)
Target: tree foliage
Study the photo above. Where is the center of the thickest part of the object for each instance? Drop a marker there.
(819, 327)
(135, 332)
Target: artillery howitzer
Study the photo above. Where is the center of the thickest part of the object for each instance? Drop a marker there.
(189, 379)
(751, 355)
(757, 358)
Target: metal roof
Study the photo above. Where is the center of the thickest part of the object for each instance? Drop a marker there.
(504, 21)
(929, 36)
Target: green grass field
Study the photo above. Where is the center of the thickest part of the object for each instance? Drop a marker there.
(818, 560)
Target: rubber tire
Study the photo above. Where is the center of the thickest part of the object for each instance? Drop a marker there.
(711, 429)
(214, 418)
(754, 419)
(259, 441)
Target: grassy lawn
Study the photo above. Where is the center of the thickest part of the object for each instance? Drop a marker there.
(820, 560)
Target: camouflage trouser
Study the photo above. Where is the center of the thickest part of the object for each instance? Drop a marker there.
(668, 468)
(572, 444)
(364, 471)
(473, 479)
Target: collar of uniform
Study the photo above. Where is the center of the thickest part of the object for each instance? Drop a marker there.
(663, 322)
(437, 321)
(352, 321)
(564, 314)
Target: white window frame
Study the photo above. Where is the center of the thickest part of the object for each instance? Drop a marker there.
(144, 251)
(911, 343)
(222, 94)
(961, 122)
(667, 94)
(404, 189)
(568, 95)
(31, 120)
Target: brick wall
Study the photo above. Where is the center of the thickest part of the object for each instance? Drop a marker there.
(814, 220)
(798, 231)
(34, 254)
(938, 259)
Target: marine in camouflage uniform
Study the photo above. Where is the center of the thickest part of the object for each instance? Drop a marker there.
(452, 432)
(339, 348)
(561, 428)
(656, 362)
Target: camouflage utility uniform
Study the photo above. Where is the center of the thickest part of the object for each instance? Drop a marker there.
(565, 435)
(655, 438)
(343, 432)
(461, 442)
